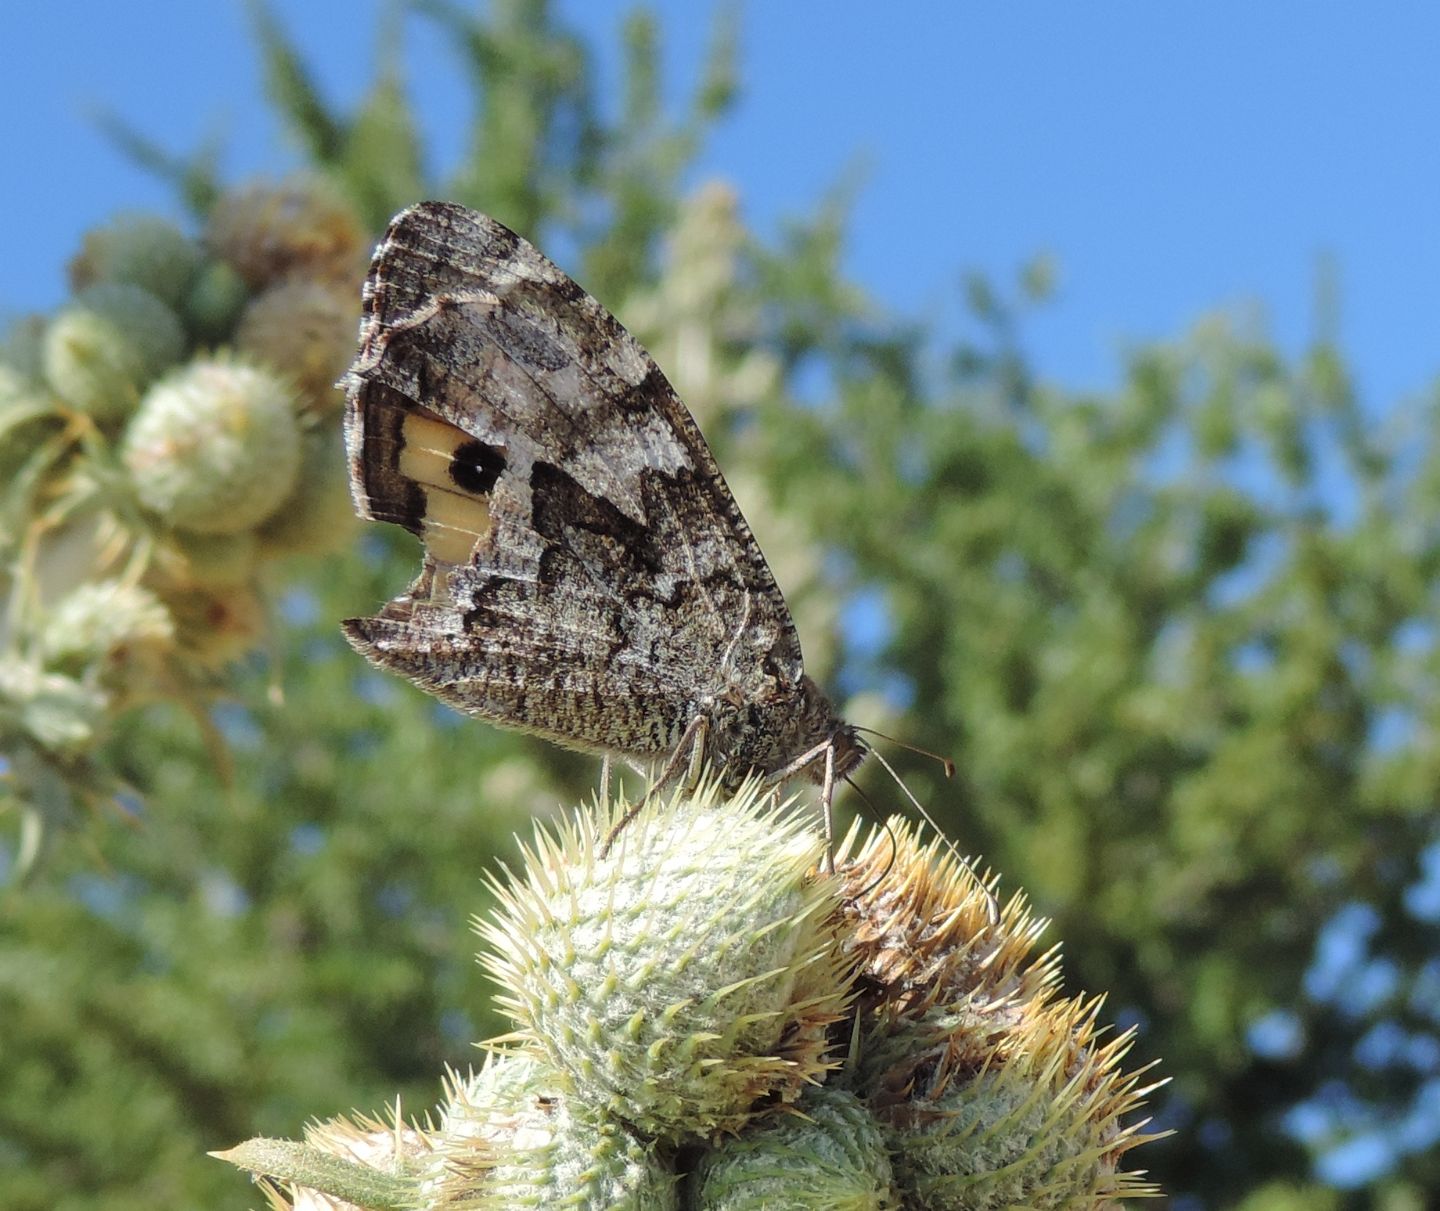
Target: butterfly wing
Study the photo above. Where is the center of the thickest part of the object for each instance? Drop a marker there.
(588, 576)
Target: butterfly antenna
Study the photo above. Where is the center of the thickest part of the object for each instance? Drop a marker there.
(914, 748)
(889, 832)
(919, 807)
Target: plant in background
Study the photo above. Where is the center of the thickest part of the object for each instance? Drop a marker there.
(701, 1019)
(167, 434)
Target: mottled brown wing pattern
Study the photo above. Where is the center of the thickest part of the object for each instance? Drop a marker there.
(587, 575)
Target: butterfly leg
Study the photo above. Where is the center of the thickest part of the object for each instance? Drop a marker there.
(827, 793)
(605, 778)
(827, 796)
(689, 755)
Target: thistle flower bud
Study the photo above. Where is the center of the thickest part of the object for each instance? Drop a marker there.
(303, 226)
(828, 1157)
(671, 991)
(214, 447)
(110, 629)
(214, 626)
(682, 977)
(1038, 1127)
(992, 1092)
(144, 250)
(214, 302)
(510, 1137)
(105, 346)
(58, 714)
(308, 327)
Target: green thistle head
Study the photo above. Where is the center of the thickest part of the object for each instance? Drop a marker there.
(309, 328)
(673, 993)
(104, 347)
(828, 1156)
(993, 1093)
(684, 979)
(109, 631)
(509, 1136)
(142, 249)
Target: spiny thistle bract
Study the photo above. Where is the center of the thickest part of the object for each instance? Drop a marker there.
(705, 1020)
(511, 1137)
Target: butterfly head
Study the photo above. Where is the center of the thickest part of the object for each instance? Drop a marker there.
(822, 732)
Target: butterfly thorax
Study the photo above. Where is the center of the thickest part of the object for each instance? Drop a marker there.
(768, 735)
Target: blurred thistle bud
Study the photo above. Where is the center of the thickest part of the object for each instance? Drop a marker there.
(214, 626)
(303, 226)
(308, 327)
(110, 630)
(56, 713)
(318, 516)
(215, 446)
(829, 1156)
(683, 978)
(214, 302)
(105, 346)
(141, 249)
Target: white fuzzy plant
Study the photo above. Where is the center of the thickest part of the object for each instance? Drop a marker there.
(705, 1020)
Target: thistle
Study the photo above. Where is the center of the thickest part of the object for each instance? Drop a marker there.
(682, 979)
(134, 453)
(106, 346)
(992, 1090)
(109, 633)
(303, 226)
(827, 1156)
(509, 1136)
(143, 250)
(705, 1021)
(309, 328)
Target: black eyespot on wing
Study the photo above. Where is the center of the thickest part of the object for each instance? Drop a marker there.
(476, 465)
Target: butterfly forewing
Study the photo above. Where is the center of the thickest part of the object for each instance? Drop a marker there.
(587, 575)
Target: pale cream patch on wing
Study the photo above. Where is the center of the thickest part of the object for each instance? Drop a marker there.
(455, 520)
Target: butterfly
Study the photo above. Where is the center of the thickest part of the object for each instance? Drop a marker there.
(587, 576)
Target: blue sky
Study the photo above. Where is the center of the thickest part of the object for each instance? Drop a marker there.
(1172, 158)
